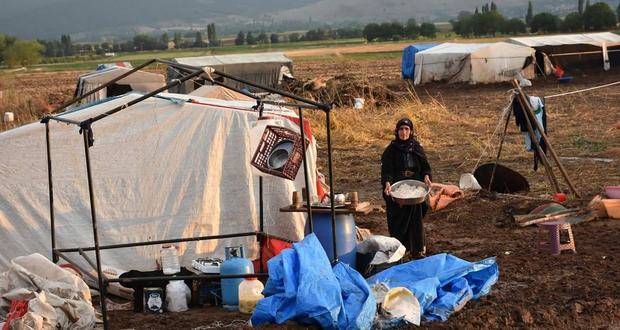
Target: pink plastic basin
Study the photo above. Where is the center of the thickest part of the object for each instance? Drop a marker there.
(612, 192)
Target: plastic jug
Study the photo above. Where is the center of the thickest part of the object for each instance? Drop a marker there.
(235, 264)
(170, 260)
(250, 292)
(178, 295)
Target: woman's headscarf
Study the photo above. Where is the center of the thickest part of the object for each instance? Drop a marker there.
(410, 145)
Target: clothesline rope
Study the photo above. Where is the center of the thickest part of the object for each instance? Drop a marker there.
(582, 90)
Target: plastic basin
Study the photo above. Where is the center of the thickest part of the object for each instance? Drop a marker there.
(613, 208)
(612, 192)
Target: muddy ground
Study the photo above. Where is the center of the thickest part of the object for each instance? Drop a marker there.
(535, 290)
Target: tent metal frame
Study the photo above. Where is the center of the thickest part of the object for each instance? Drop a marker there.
(86, 130)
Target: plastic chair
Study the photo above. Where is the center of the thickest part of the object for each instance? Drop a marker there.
(549, 237)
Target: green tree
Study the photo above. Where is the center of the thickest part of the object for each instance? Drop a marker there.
(573, 22)
(530, 14)
(178, 39)
(412, 30)
(67, 45)
(599, 16)
(2, 46)
(163, 40)
(144, 42)
(211, 35)
(513, 26)
(198, 39)
(545, 22)
(240, 39)
(23, 53)
(371, 31)
(618, 11)
(262, 38)
(428, 30)
(274, 38)
(249, 39)
(493, 6)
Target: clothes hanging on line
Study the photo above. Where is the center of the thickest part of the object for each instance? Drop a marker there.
(538, 108)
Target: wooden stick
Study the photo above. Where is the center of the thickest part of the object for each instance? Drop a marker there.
(555, 157)
(547, 219)
(543, 157)
(526, 217)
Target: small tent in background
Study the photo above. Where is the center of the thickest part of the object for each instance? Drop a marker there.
(408, 62)
(266, 69)
(474, 63)
(140, 81)
(589, 50)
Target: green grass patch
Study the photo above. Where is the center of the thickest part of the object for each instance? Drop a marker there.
(350, 56)
(588, 144)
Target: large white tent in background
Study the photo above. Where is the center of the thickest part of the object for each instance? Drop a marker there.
(139, 81)
(473, 63)
(568, 49)
(167, 167)
(266, 69)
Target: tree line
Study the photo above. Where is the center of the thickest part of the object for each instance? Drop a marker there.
(396, 31)
(249, 38)
(488, 21)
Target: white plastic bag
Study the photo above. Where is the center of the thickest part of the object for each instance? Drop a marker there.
(387, 249)
(178, 295)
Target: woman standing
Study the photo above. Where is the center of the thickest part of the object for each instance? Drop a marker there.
(405, 159)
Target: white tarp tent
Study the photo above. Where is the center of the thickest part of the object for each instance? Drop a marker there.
(572, 45)
(163, 168)
(219, 92)
(139, 81)
(473, 63)
(266, 69)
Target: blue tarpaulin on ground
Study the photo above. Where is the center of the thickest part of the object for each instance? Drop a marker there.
(408, 63)
(303, 287)
(442, 283)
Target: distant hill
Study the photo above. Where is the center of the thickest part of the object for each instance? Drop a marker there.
(88, 19)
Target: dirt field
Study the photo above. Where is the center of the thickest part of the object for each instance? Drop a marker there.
(535, 290)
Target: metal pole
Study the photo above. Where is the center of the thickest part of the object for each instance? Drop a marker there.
(165, 241)
(93, 214)
(260, 205)
(331, 185)
(305, 162)
(499, 152)
(145, 96)
(51, 190)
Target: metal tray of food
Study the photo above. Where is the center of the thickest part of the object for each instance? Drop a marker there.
(410, 201)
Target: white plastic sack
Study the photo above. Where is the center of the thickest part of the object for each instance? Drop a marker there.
(388, 249)
(57, 299)
(469, 182)
(177, 296)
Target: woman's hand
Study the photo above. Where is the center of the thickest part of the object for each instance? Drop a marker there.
(427, 180)
(388, 189)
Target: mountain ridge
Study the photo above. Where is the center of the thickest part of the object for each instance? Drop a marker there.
(48, 19)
